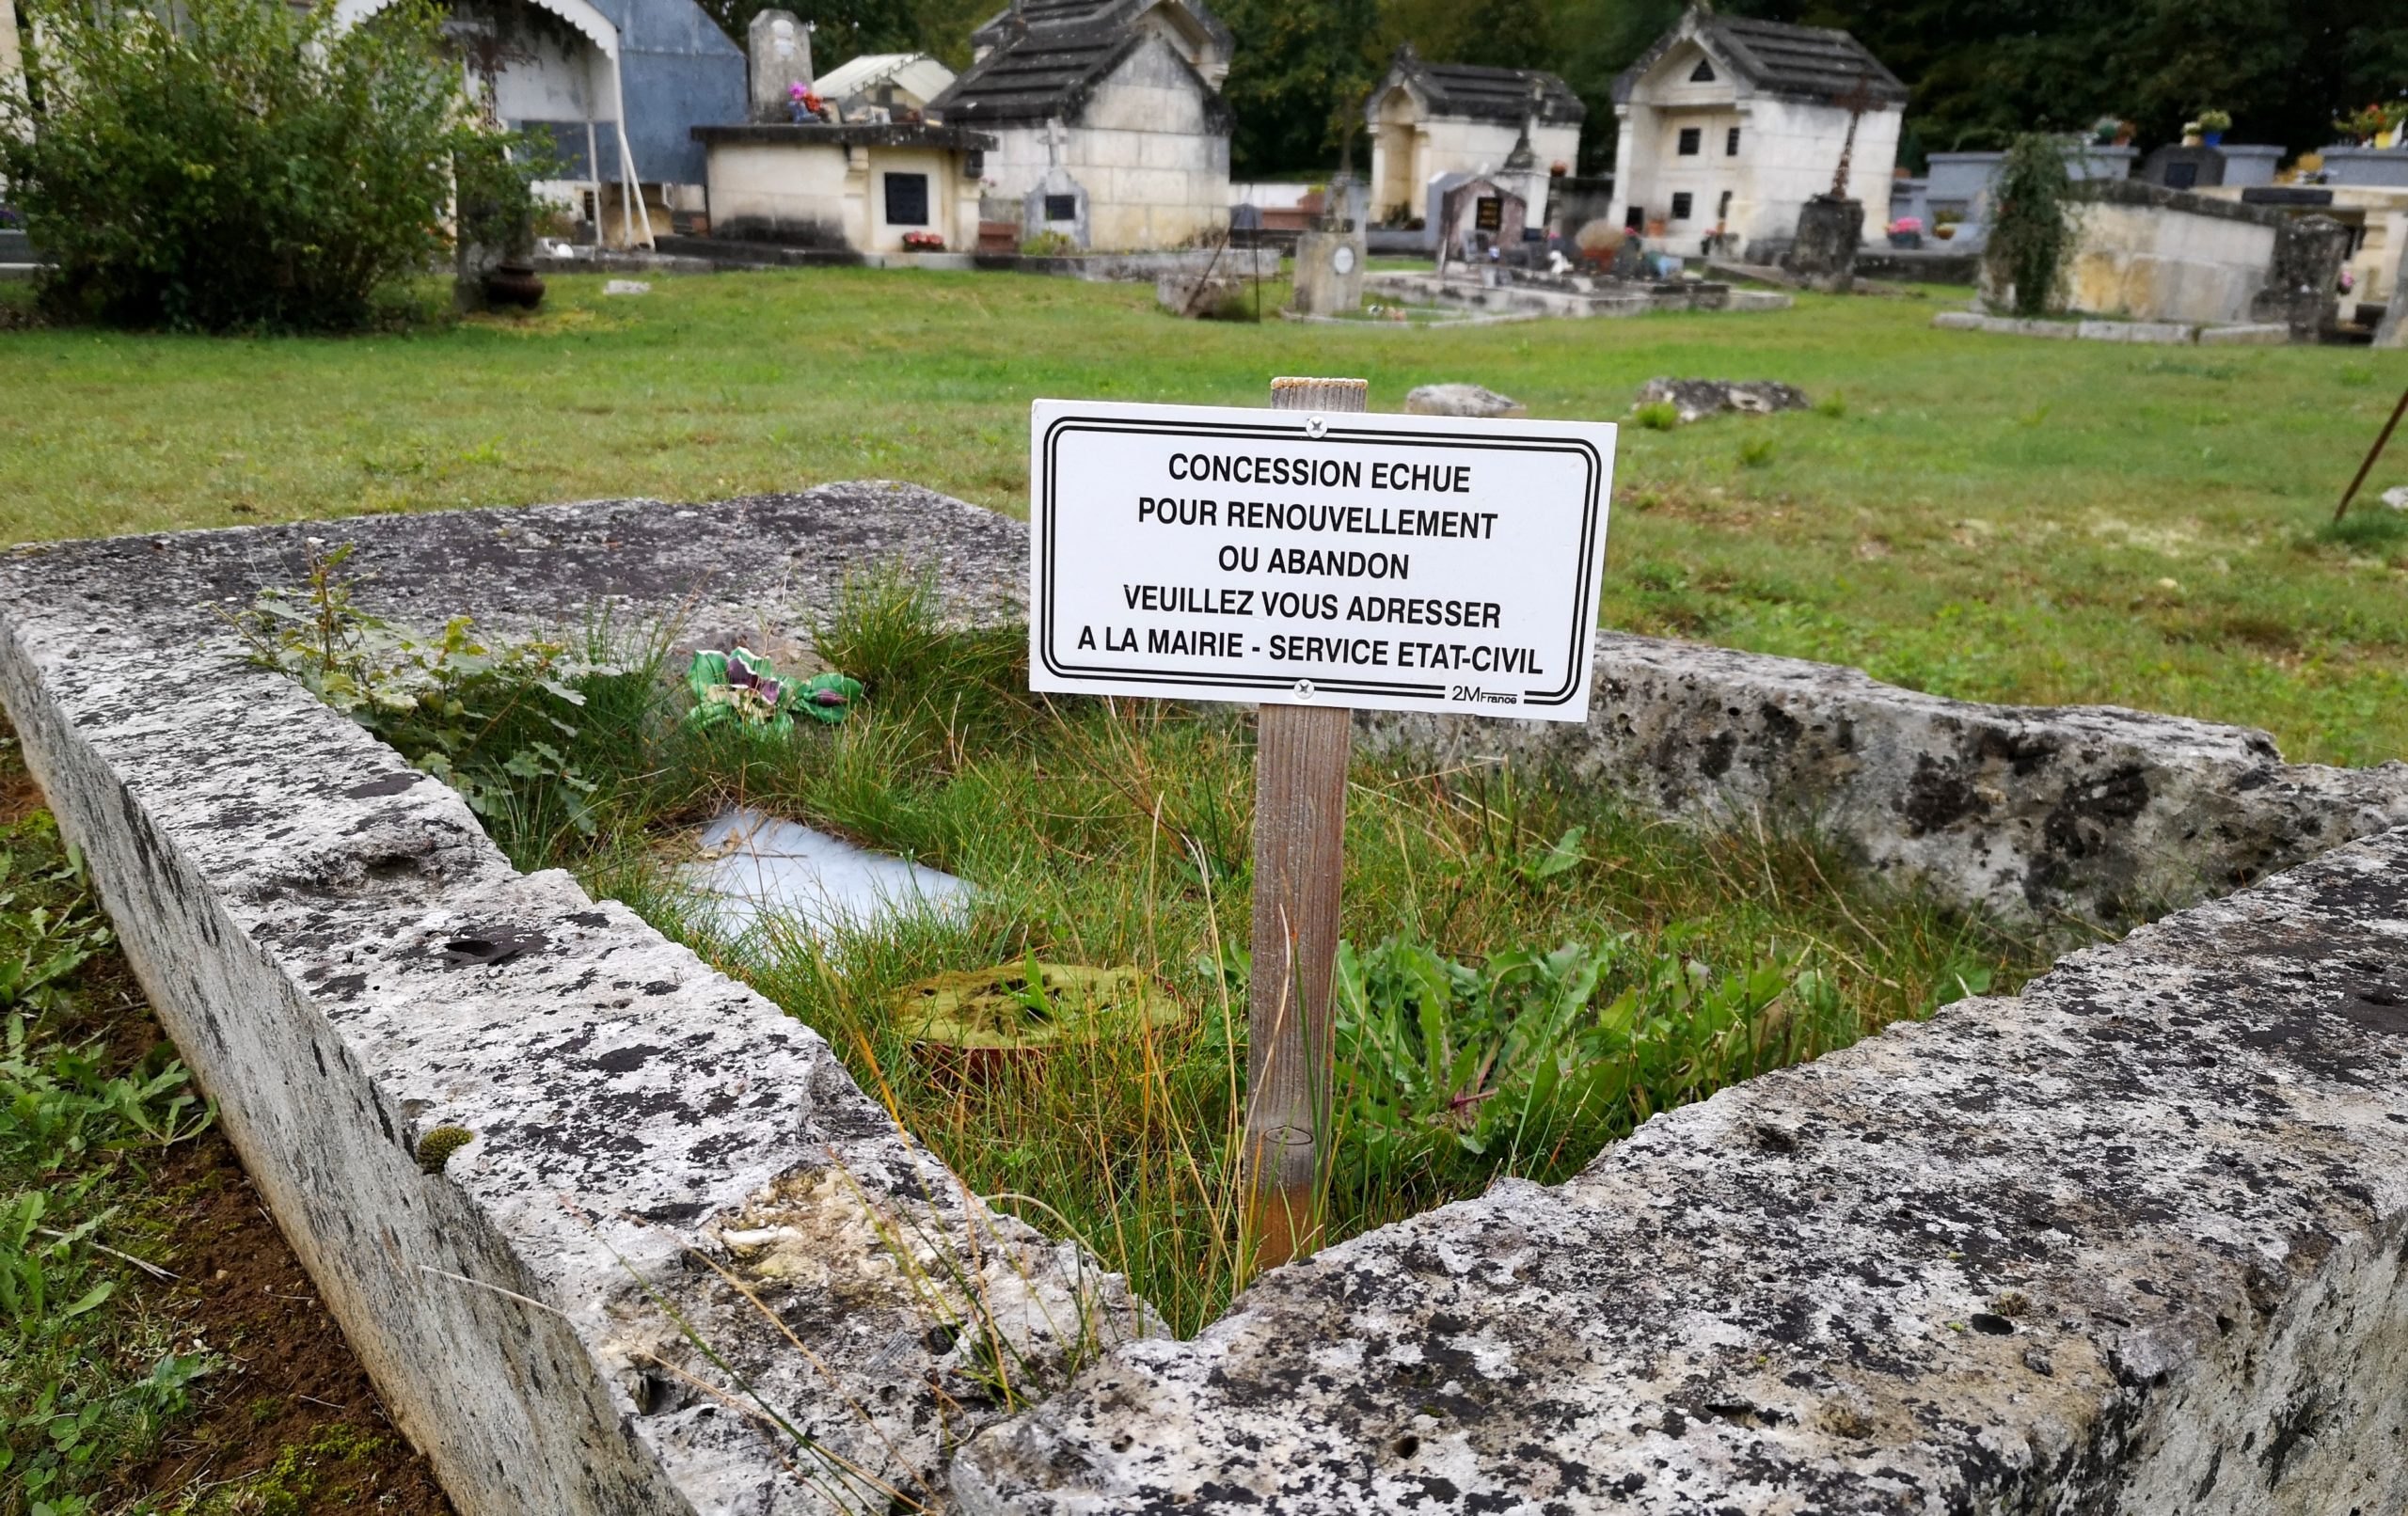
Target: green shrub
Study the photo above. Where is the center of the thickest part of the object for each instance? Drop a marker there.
(1663, 415)
(2030, 235)
(224, 164)
(1755, 452)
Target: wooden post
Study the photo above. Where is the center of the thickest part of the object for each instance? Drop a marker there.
(1299, 836)
(2373, 454)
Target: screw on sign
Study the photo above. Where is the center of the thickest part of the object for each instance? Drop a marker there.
(1317, 559)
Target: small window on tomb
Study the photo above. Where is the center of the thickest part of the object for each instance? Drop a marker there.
(1704, 72)
(1731, 143)
(907, 200)
(1681, 204)
(1061, 208)
(1690, 138)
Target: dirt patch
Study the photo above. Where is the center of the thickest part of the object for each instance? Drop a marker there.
(286, 1424)
(290, 1410)
(17, 796)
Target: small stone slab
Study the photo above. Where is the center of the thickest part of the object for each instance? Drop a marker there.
(1696, 399)
(2169, 333)
(759, 870)
(2247, 334)
(1461, 400)
(626, 287)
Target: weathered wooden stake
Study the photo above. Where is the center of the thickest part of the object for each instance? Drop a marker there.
(1299, 836)
(2373, 454)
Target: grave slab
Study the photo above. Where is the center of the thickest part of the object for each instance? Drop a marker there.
(349, 964)
(2259, 333)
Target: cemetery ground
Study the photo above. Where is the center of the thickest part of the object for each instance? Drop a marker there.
(2012, 520)
(2025, 521)
(210, 1382)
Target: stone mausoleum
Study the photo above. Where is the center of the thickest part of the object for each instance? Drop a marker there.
(1109, 125)
(1729, 126)
(1432, 120)
(866, 175)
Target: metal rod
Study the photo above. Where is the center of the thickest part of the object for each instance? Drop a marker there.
(2373, 454)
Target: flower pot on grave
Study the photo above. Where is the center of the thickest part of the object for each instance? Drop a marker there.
(513, 284)
(2212, 139)
(1906, 239)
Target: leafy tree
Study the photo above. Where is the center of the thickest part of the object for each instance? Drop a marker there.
(1298, 80)
(2029, 237)
(226, 163)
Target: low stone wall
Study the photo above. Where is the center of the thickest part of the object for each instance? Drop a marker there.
(2155, 254)
(2038, 812)
(2136, 1232)
(349, 964)
(2130, 1242)
(1543, 296)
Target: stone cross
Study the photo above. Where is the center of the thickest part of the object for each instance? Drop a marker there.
(1856, 103)
(780, 46)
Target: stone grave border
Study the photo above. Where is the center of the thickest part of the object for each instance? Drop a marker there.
(2161, 1185)
(2096, 329)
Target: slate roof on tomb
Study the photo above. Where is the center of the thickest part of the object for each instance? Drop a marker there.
(997, 29)
(1484, 93)
(1048, 69)
(1815, 63)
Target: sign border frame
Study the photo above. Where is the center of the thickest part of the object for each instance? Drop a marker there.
(1043, 512)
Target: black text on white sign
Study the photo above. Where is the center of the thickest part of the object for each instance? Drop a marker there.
(1399, 563)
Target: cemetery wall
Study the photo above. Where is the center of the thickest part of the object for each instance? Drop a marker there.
(2132, 1240)
(2151, 254)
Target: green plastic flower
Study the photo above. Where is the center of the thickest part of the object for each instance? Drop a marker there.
(740, 686)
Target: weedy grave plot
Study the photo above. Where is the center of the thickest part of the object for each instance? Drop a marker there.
(1531, 969)
(523, 1143)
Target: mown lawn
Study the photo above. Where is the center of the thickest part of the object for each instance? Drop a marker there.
(1993, 517)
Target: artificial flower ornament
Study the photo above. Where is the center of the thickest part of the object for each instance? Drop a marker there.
(739, 686)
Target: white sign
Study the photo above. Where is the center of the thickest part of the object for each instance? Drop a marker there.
(1398, 562)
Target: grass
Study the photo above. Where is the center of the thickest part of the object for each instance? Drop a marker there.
(1987, 518)
(135, 1332)
(1695, 961)
(89, 1380)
